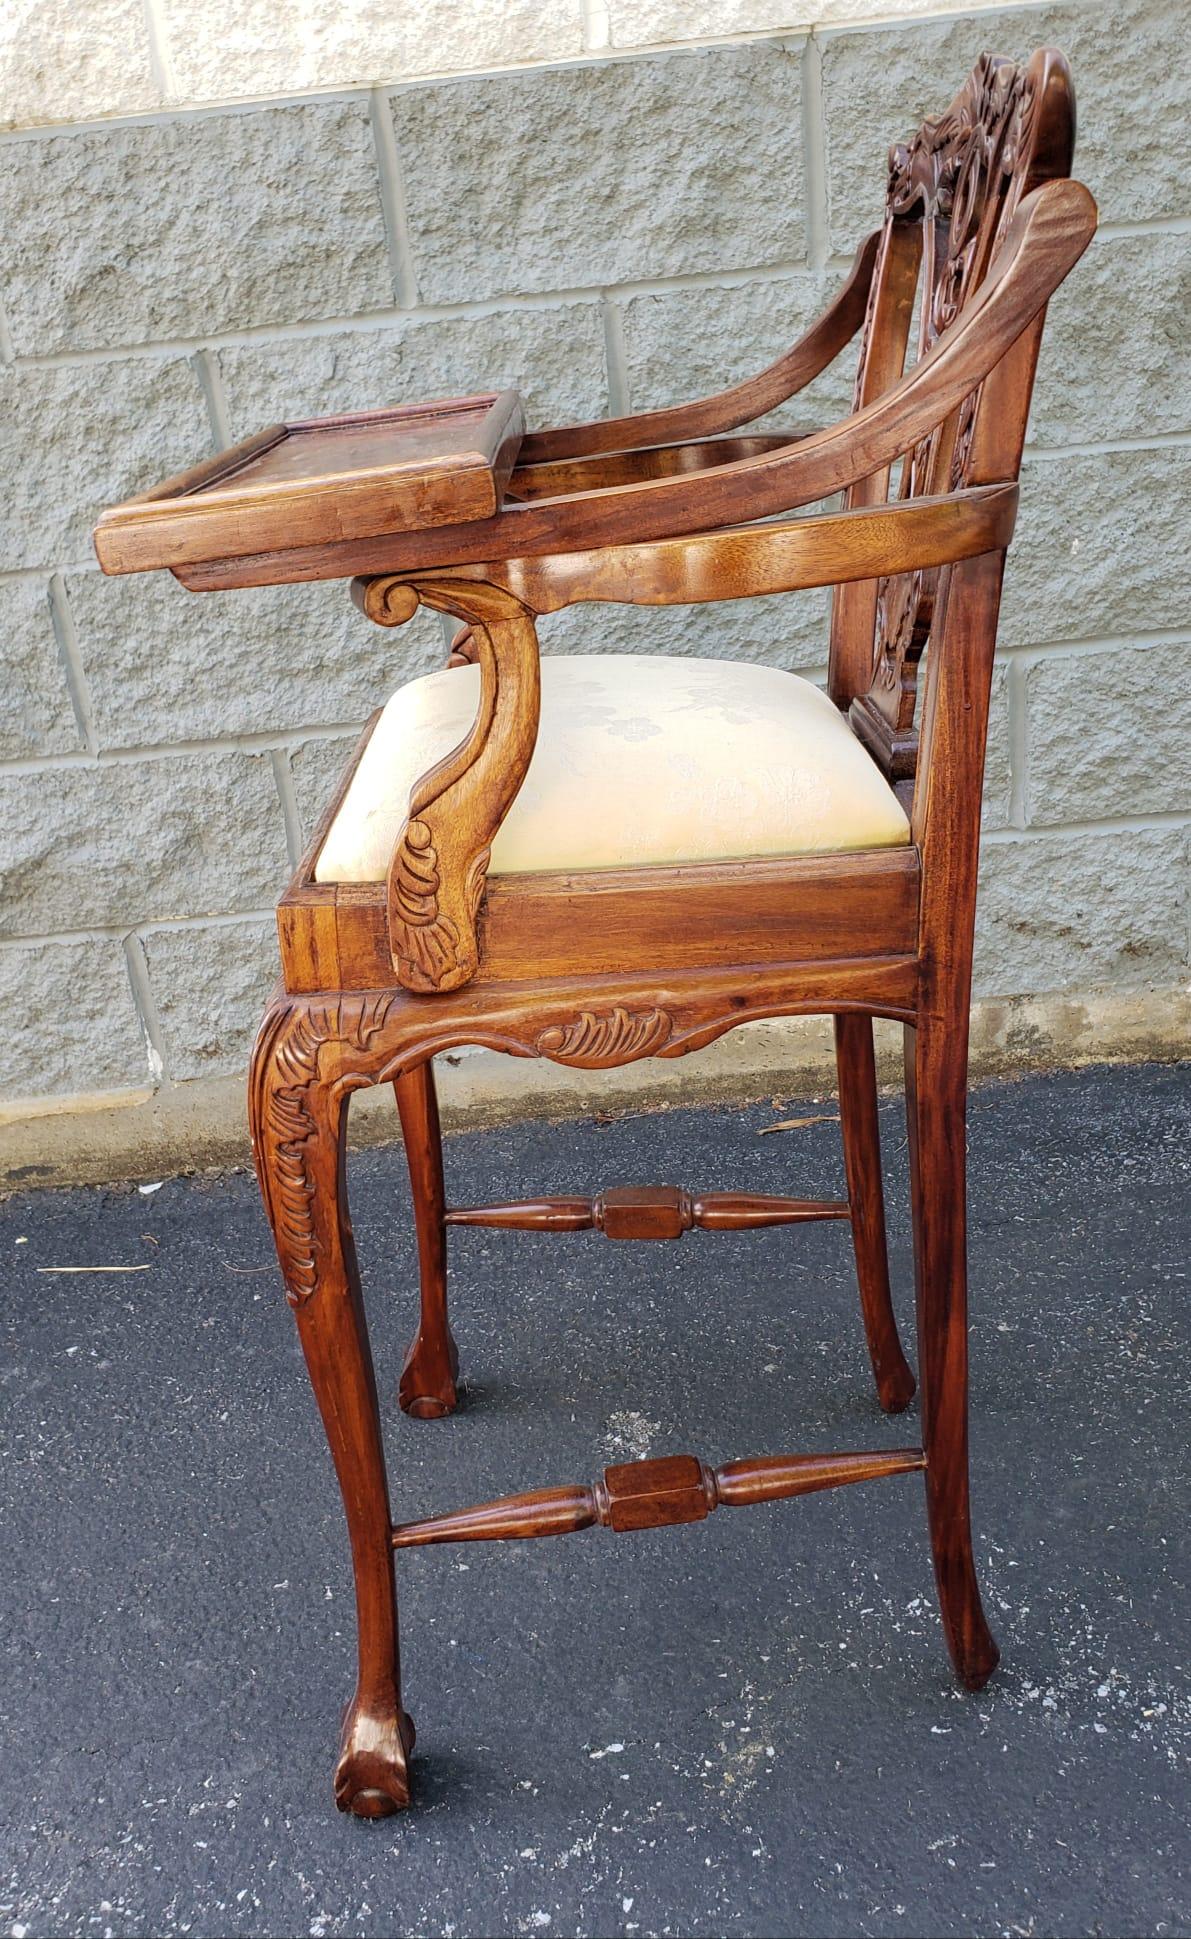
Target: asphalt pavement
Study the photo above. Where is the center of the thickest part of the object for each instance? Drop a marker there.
(741, 1727)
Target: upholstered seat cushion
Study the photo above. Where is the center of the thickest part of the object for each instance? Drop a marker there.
(639, 759)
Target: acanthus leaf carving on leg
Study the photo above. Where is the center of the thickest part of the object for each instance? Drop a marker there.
(287, 1065)
(310, 1053)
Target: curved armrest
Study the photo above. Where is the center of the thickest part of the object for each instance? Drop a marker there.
(726, 409)
(560, 477)
(1049, 232)
(1047, 235)
(745, 562)
(753, 561)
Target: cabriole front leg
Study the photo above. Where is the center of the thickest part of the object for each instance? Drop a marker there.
(299, 1124)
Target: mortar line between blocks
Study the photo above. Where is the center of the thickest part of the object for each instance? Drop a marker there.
(8, 353)
(66, 635)
(210, 378)
(160, 64)
(595, 26)
(151, 926)
(878, 22)
(369, 321)
(1070, 830)
(16, 574)
(1104, 447)
(1018, 742)
(176, 105)
(1154, 225)
(137, 964)
(287, 738)
(179, 107)
(814, 153)
(284, 782)
(1096, 643)
(392, 199)
(615, 356)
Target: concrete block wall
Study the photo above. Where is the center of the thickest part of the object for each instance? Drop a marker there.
(211, 216)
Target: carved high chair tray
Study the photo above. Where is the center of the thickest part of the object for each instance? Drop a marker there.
(324, 480)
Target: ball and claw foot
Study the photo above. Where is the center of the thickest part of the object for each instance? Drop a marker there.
(427, 1388)
(372, 1775)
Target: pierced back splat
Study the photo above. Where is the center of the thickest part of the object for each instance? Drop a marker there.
(952, 191)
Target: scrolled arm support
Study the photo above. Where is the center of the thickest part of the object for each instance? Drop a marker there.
(440, 862)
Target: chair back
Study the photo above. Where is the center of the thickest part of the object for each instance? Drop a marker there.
(953, 188)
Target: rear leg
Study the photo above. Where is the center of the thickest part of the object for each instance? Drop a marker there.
(936, 1100)
(857, 1067)
(427, 1388)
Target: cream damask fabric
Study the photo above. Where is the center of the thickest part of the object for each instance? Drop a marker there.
(639, 759)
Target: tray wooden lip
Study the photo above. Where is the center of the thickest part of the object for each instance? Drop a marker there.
(203, 513)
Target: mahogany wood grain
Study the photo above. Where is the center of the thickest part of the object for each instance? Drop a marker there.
(650, 1212)
(857, 1070)
(890, 308)
(655, 1494)
(321, 480)
(427, 1387)
(812, 909)
(300, 1147)
(564, 1214)
(936, 1059)
(439, 864)
(567, 475)
(746, 561)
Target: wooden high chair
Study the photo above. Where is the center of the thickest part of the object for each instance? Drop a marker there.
(595, 859)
